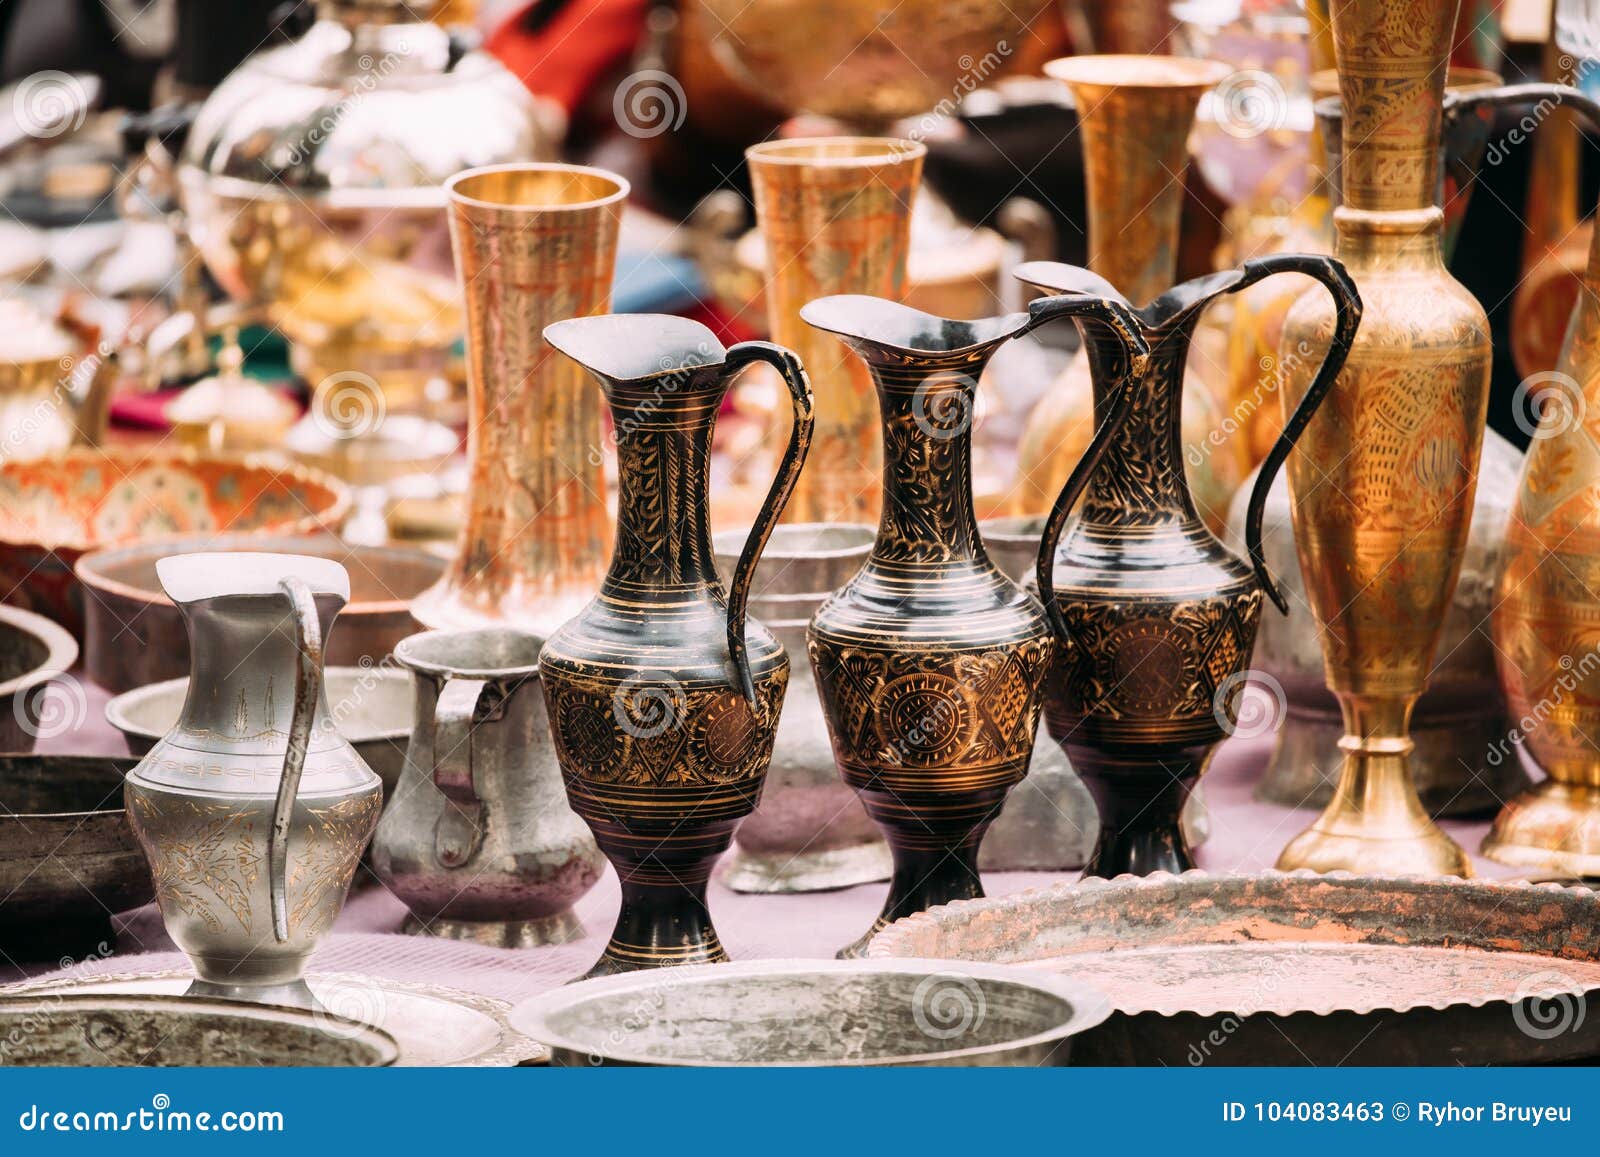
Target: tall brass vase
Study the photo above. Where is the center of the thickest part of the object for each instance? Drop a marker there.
(835, 216)
(1545, 617)
(1134, 115)
(1384, 477)
(534, 244)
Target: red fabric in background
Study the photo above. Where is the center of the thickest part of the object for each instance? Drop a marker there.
(572, 50)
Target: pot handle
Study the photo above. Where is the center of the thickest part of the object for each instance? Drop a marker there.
(1347, 317)
(459, 832)
(794, 457)
(88, 388)
(1123, 325)
(307, 694)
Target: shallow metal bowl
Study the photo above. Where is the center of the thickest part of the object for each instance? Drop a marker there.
(33, 651)
(68, 859)
(134, 635)
(104, 1030)
(372, 706)
(809, 1013)
(55, 510)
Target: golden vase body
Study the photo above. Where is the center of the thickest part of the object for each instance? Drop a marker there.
(835, 213)
(535, 244)
(1546, 617)
(1383, 480)
(1135, 113)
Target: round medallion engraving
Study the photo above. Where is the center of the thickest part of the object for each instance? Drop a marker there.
(730, 730)
(1145, 664)
(925, 718)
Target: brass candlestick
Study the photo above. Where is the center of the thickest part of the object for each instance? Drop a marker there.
(836, 216)
(1384, 477)
(534, 244)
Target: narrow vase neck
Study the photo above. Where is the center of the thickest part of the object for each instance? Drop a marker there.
(1392, 67)
(1378, 242)
(1141, 480)
(928, 403)
(663, 432)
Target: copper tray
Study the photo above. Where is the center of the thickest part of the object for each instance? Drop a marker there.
(1299, 969)
(433, 1026)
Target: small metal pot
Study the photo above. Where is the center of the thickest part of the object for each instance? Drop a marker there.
(68, 859)
(134, 636)
(33, 651)
(104, 1030)
(479, 841)
(815, 1013)
(1459, 720)
(809, 833)
(370, 706)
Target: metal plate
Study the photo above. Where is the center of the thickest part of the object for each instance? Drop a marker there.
(433, 1025)
(1297, 968)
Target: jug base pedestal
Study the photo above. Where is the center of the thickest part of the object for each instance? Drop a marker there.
(785, 872)
(561, 928)
(1426, 853)
(294, 994)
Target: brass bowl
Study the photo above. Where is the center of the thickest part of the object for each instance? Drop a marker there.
(103, 1030)
(68, 859)
(867, 64)
(33, 651)
(372, 706)
(134, 636)
(54, 511)
(814, 1013)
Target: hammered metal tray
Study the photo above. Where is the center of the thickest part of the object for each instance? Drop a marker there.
(1297, 968)
(434, 1026)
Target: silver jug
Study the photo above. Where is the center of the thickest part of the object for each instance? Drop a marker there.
(252, 811)
(810, 832)
(478, 839)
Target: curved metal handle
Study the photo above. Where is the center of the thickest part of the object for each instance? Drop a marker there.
(794, 457)
(459, 832)
(1123, 324)
(307, 694)
(88, 388)
(1347, 317)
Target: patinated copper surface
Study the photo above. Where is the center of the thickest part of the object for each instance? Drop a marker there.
(1297, 968)
(1134, 118)
(835, 213)
(930, 660)
(534, 244)
(663, 696)
(1383, 482)
(1156, 618)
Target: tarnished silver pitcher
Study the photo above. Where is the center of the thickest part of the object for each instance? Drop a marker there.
(478, 839)
(810, 832)
(252, 811)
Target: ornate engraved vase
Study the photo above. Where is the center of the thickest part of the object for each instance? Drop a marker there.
(1383, 484)
(1157, 618)
(1460, 765)
(252, 810)
(1545, 618)
(810, 833)
(663, 697)
(835, 216)
(930, 660)
(1134, 115)
(478, 840)
(534, 244)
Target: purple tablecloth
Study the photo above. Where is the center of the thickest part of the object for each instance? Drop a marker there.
(1244, 836)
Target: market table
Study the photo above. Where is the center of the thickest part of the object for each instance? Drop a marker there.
(1244, 836)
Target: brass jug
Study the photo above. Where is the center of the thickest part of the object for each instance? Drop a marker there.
(252, 810)
(1383, 480)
